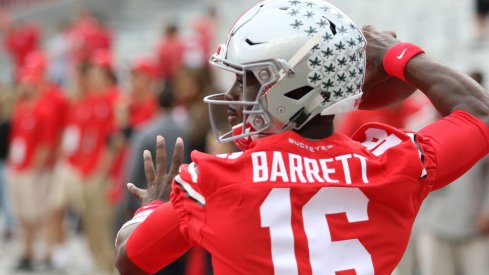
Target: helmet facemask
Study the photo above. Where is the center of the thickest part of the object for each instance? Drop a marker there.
(256, 118)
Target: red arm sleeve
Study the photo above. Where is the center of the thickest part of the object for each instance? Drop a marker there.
(157, 241)
(451, 146)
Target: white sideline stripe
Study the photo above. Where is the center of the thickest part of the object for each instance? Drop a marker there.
(143, 214)
(190, 191)
(411, 135)
(139, 218)
(192, 169)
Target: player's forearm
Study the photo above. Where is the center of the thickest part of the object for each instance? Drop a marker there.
(448, 89)
(150, 242)
(122, 262)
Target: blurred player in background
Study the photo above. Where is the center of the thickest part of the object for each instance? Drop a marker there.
(132, 112)
(191, 85)
(170, 52)
(96, 157)
(300, 198)
(67, 192)
(83, 173)
(86, 35)
(37, 122)
(21, 38)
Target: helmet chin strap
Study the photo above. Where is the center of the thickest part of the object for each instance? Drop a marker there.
(348, 104)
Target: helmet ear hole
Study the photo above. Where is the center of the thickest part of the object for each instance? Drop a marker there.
(299, 92)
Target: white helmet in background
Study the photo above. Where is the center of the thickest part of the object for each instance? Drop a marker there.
(308, 56)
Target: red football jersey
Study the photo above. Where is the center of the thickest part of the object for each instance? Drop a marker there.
(339, 205)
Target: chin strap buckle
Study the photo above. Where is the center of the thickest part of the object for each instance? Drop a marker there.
(300, 117)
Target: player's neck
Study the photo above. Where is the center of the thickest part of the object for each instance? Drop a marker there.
(318, 128)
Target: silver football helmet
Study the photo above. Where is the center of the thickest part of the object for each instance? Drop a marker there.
(308, 56)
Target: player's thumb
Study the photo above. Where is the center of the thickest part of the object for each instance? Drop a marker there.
(136, 192)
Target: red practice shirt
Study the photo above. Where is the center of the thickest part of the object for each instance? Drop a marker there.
(89, 125)
(96, 133)
(87, 36)
(32, 128)
(113, 95)
(54, 97)
(289, 205)
(205, 35)
(142, 112)
(77, 118)
(22, 41)
(170, 56)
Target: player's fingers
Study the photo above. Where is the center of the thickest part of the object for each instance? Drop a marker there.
(136, 192)
(160, 156)
(177, 159)
(149, 169)
(368, 28)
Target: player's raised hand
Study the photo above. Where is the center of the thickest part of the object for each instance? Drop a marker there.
(159, 181)
(377, 45)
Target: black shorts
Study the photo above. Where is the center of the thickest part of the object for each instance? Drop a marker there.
(482, 7)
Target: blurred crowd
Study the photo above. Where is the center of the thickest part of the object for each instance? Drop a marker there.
(72, 136)
(9, 4)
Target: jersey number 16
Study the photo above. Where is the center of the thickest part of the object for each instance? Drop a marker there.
(326, 256)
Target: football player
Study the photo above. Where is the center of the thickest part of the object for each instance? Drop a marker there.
(299, 198)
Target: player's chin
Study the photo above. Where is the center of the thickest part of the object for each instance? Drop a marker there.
(234, 120)
(233, 116)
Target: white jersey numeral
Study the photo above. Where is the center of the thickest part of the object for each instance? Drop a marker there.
(378, 141)
(326, 256)
(280, 224)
